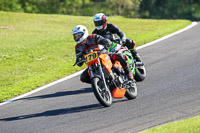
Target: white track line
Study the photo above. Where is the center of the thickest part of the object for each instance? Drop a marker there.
(168, 36)
(43, 87)
(77, 73)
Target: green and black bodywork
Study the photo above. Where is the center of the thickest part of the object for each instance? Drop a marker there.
(137, 69)
(118, 48)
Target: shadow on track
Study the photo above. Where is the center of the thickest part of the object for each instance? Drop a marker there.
(59, 94)
(63, 111)
(55, 112)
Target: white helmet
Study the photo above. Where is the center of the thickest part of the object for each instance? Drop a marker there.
(100, 21)
(80, 33)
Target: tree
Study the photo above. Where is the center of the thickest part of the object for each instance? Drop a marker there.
(127, 8)
(170, 9)
(10, 5)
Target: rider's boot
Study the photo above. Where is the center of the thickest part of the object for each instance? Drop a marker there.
(136, 55)
(129, 74)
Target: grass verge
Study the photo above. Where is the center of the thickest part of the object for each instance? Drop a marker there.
(191, 125)
(36, 49)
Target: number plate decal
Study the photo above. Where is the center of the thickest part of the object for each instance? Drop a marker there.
(90, 56)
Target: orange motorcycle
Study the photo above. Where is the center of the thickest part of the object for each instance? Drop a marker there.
(108, 79)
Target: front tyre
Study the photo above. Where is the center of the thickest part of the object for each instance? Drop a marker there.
(101, 92)
(131, 92)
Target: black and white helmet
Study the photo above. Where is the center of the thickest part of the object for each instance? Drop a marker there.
(100, 21)
(80, 33)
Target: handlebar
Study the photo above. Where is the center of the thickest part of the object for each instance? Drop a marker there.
(79, 62)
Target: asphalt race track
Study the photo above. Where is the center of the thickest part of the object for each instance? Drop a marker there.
(170, 92)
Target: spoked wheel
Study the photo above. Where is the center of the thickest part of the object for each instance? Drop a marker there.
(131, 92)
(140, 72)
(101, 92)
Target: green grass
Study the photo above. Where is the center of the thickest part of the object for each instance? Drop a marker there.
(191, 125)
(37, 49)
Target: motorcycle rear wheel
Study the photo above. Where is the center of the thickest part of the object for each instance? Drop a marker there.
(140, 73)
(131, 92)
(101, 92)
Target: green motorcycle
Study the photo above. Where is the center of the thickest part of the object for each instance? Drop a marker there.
(137, 68)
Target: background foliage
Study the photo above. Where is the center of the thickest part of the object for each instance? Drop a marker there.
(157, 9)
(170, 9)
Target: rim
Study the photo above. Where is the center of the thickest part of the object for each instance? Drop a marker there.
(133, 89)
(103, 92)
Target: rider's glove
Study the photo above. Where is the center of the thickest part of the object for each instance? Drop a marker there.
(79, 59)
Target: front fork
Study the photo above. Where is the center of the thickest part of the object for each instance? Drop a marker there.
(101, 74)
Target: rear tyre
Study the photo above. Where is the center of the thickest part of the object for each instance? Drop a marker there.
(131, 92)
(140, 73)
(101, 92)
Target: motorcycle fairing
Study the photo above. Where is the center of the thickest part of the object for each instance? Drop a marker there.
(106, 62)
(118, 93)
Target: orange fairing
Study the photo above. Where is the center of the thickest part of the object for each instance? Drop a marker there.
(118, 93)
(105, 59)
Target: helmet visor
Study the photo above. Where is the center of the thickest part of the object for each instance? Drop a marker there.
(77, 36)
(100, 22)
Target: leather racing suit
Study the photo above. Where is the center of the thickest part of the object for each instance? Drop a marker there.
(113, 29)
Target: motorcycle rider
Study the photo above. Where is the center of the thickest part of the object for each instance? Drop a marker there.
(104, 28)
(80, 34)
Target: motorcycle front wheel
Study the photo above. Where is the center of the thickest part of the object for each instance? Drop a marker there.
(101, 92)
